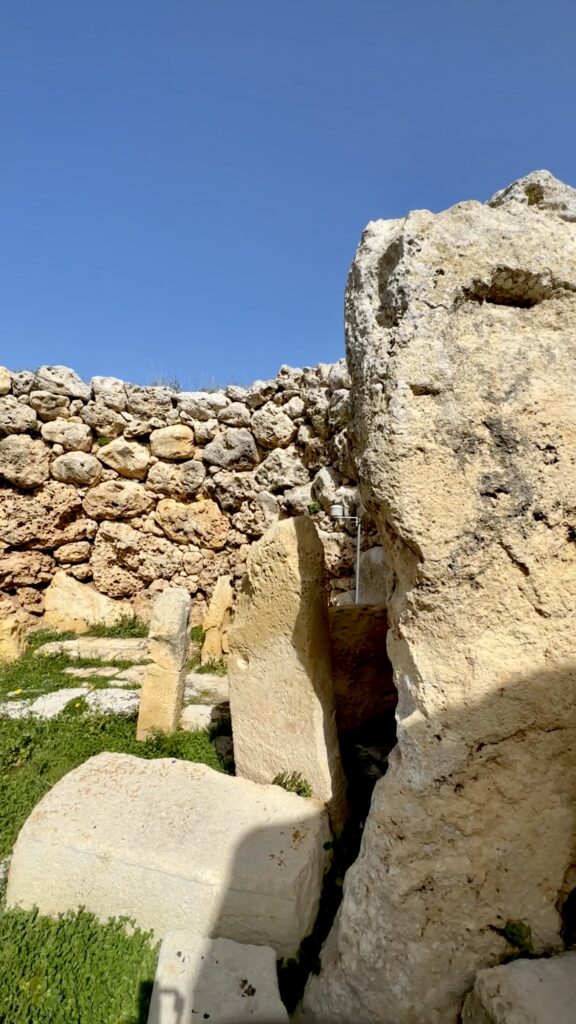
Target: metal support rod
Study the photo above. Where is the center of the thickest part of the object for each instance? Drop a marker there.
(358, 535)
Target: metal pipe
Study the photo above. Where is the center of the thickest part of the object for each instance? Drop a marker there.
(358, 534)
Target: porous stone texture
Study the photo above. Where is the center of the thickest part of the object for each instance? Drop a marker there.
(70, 604)
(243, 861)
(217, 622)
(215, 979)
(163, 685)
(77, 458)
(279, 663)
(461, 347)
(12, 631)
(524, 992)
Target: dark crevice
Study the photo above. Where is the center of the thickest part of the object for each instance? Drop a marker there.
(508, 286)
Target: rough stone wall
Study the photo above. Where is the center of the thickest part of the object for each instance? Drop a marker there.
(133, 487)
(461, 336)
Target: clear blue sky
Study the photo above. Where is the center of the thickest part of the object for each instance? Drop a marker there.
(183, 184)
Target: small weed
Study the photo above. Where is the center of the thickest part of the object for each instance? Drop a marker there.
(128, 626)
(101, 441)
(166, 382)
(212, 668)
(314, 507)
(197, 635)
(518, 935)
(293, 782)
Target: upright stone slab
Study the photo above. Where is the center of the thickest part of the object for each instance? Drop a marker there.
(164, 682)
(462, 352)
(217, 620)
(12, 630)
(217, 980)
(281, 695)
(175, 845)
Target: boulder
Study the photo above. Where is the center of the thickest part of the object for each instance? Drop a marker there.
(216, 979)
(77, 468)
(5, 380)
(77, 606)
(60, 380)
(24, 462)
(128, 458)
(272, 428)
(145, 402)
(44, 519)
(104, 421)
(111, 391)
(235, 415)
(200, 522)
(201, 405)
(233, 447)
(72, 435)
(24, 568)
(163, 684)
(281, 468)
(182, 481)
(279, 663)
(117, 499)
(461, 350)
(176, 845)
(49, 407)
(78, 551)
(15, 417)
(524, 992)
(175, 443)
(124, 559)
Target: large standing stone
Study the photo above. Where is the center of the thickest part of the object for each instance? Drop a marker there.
(216, 979)
(460, 334)
(163, 686)
(175, 845)
(281, 695)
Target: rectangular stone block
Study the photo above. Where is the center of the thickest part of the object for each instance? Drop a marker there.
(164, 682)
(175, 845)
(217, 980)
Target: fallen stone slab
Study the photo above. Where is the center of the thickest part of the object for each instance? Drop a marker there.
(200, 683)
(99, 648)
(15, 709)
(50, 705)
(175, 845)
(113, 701)
(131, 676)
(88, 673)
(214, 979)
(524, 992)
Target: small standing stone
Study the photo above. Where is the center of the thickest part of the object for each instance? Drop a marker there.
(164, 682)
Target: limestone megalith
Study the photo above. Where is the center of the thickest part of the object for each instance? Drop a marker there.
(163, 686)
(461, 338)
(281, 692)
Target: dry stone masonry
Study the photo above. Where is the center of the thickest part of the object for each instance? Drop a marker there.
(462, 350)
(129, 488)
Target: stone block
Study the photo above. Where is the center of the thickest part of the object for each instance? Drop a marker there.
(175, 845)
(164, 682)
(524, 992)
(281, 694)
(216, 979)
(71, 605)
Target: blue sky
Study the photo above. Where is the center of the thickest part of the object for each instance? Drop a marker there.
(183, 184)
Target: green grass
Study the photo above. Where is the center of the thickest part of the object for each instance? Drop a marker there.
(34, 675)
(127, 626)
(73, 970)
(35, 754)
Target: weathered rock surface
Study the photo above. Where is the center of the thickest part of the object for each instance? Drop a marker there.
(99, 648)
(215, 979)
(176, 442)
(280, 664)
(244, 861)
(15, 417)
(12, 631)
(117, 499)
(199, 522)
(164, 682)
(460, 335)
(74, 436)
(78, 468)
(70, 604)
(24, 461)
(525, 992)
(60, 380)
(217, 621)
(128, 458)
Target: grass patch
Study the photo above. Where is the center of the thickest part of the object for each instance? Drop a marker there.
(214, 668)
(34, 675)
(35, 754)
(128, 626)
(73, 968)
(293, 782)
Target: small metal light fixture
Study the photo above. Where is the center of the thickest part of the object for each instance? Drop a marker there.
(337, 511)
